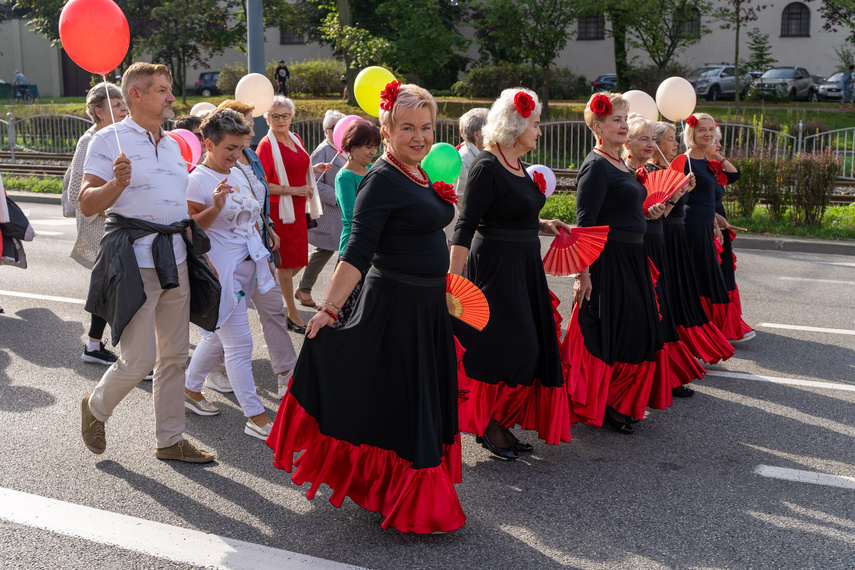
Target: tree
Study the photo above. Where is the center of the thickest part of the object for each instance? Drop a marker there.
(735, 13)
(665, 28)
(838, 14)
(544, 35)
(498, 42)
(187, 33)
(761, 52)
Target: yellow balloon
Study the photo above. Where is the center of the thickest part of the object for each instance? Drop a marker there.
(367, 87)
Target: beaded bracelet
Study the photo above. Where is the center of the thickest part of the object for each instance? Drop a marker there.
(330, 313)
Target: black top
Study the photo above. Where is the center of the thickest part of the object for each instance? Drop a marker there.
(608, 196)
(496, 199)
(398, 224)
(719, 192)
(701, 202)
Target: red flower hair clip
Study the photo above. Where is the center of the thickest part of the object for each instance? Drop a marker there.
(718, 169)
(388, 95)
(540, 181)
(601, 105)
(524, 104)
(692, 121)
(641, 174)
(445, 191)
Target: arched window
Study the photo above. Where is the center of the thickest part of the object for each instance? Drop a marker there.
(795, 21)
(688, 24)
(592, 27)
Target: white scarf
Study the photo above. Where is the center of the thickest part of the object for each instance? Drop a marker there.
(286, 203)
(4, 209)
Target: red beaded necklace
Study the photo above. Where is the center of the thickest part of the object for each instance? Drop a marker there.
(518, 168)
(607, 154)
(406, 171)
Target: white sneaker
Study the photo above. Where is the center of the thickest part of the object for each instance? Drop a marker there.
(219, 382)
(748, 336)
(149, 376)
(203, 408)
(283, 380)
(257, 432)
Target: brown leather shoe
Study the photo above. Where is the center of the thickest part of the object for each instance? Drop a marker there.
(91, 428)
(184, 451)
(303, 301)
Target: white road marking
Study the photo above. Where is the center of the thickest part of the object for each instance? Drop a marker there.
(837, 264)
(174, 543)
(800, 476)
(809, 329)
(54, 222)
(818, 280)
(48, 233)
(42, 297)
(789, 381)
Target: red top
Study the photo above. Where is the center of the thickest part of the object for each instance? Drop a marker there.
(296, 164)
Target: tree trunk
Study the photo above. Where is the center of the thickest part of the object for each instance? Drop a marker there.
(545, 114)
(182, 73)
(345, 18)
(619, 32)
(738, 10)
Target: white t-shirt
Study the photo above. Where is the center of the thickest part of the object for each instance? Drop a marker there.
(157, 192)
(258, 188)
(236, 222)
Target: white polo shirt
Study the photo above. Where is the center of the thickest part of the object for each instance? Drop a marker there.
(158, 189)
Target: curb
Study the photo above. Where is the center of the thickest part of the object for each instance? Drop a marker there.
(34, 197)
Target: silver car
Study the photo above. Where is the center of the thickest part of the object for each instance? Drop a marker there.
(793, 83)
(717, 81)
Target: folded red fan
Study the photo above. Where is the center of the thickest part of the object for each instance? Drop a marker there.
(466, 301)
(662, 185)
(573, 251)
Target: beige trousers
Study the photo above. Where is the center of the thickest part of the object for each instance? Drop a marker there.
(157, 338)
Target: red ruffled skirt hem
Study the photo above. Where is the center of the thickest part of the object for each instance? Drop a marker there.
(675, 366)
(536, 407)
(706, 342)
(727, 316)
(592, 384)
(412, 500)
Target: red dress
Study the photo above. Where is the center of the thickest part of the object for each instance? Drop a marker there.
(294, 237)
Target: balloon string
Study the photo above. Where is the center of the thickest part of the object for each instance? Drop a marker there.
(688, 158)
(663, 155)
(205, 170)
(113, 117)
(318, 176)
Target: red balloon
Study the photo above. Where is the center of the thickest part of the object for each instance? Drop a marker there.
(186, 151)
(95, 34)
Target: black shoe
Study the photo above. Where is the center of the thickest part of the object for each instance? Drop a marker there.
(292, 326)
(631, 420)
(100, 356)
(521, 447)
(503, 452)
(617, 425)
(682, 392)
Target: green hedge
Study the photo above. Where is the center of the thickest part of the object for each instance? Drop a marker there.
(489, 81)
(560, 207)
(45, 185)
(319, 77)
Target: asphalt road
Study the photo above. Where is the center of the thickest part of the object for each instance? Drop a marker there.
(682, 492)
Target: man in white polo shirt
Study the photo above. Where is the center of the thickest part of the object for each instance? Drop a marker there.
(133, 170)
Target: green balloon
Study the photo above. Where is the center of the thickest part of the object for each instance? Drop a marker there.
(443, 163)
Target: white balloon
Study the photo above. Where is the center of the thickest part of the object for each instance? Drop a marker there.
(676, 98)
(548, 176)
(256, 90)
(643, 104)
(202, 107)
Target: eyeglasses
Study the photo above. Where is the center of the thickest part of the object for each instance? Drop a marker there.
(282, 117)
(198, 135)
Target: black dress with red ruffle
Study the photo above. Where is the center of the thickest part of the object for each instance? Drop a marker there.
(513, 365)
(733, 326)
(610, 348)
(675, 363)
(374, 404)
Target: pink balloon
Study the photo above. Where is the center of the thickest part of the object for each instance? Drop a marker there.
(192, 141)
(340, 127)
(548, 176)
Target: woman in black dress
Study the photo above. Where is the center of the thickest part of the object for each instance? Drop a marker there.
(700, 225)
(734, 326)
(378, 419)
(513, 364)
(675, 364)
(694, 327)
(610, 348)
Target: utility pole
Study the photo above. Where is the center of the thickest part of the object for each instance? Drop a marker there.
(255, 54)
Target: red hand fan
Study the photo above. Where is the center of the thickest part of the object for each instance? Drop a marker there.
(466, 301)
(662, 185)
(575, 250)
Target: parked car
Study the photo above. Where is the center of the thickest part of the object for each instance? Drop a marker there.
(715, 81)
(607, 82)
(206, 85)
(829, 90)
(793, 83)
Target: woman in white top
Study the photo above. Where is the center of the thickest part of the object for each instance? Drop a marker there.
(221, 200)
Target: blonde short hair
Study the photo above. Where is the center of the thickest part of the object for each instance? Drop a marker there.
(141, 75)
(237, 106)
(504, 122)
(281, 101)
(636, 126)
(618, 104)
(97, 96)
(689, 133)
(410, 97)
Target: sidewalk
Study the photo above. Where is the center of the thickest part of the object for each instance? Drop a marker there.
(802, 245)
